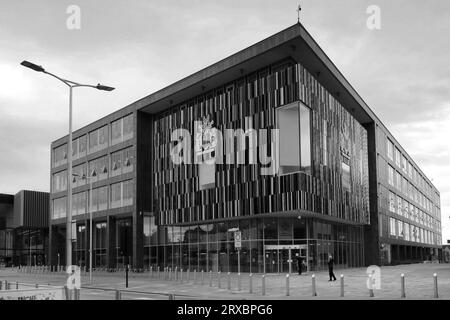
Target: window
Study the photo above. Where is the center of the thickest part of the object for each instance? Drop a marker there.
(128, 127)
(391, 175)
(127, 193)
(103, 137)
(82, 145)
(294, 123)
(404, 164)
(79, 203)
(79, 171)
(122, 194)
(121, 162)
(399, 206)
(98, 139)
(410, 169)
(392, 229)
(59, 181)
(99, 199)
(100, 167)
(392, 202)
(59, 208)
(390, 150)
(116, 195)
(398, 179)
(397, 157)
(122, 129)
(405, 208)
(93, 141)
(289, 150)
(116, 131)
(75, 149)
(60, 155)
(406, 230)
(400, 229)
(404, 186)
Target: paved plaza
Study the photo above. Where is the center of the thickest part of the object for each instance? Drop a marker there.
(419, 284)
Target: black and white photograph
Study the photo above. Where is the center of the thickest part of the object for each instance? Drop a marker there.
(220, 157)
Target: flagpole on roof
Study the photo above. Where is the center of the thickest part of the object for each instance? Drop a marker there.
(298, 13)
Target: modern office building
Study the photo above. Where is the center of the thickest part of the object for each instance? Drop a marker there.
(265, 155)
(24, 228)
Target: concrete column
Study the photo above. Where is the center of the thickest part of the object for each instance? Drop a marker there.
(86, 241)
(111, 245)
(138, 239)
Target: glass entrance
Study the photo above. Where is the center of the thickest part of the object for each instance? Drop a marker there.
(272, 261)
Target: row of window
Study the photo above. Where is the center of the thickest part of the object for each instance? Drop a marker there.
(404, 208)
(118, 163)
(410, 232)
(396, 180)
(120, 195)
(408, 169)
(120, 130)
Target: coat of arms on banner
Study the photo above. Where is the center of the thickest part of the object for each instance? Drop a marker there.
(205, 140)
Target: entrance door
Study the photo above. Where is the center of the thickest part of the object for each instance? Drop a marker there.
(271, 261)
(288, 260)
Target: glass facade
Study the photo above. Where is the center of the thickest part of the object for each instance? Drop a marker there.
(267, 244)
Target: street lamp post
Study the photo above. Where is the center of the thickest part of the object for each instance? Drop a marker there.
(84, 177)
(71, 85)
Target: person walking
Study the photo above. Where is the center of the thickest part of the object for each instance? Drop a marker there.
(330, 268)
(299, 264)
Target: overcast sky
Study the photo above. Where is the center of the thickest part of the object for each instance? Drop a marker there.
(402, 70)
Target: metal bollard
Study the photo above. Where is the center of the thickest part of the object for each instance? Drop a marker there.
(218, 279)
(228, 281)
(181, 276)
(239, 281)
(402, 286)
(210, 278)
(188, 275)
(250, 283)
(67, 293)
(151, 272)
(342, 285)
(203, 278)
(313, 285)
(436, 293)
(263, 285)
(176, 273)
(371, 294)
(171, 296)
(287, 285)
(195, 276)
(17, 286)
(118, 295)
(159, 272)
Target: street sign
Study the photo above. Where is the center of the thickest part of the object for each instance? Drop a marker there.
(237, 239)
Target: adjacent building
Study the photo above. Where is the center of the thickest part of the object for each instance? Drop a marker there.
(266, 155)
(24, 223)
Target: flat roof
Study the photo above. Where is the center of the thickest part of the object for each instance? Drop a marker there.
(6, 198)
